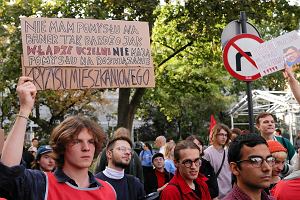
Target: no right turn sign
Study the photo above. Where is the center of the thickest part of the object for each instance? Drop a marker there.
(237, 57)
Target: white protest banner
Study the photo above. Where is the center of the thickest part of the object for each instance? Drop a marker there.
(271, 56)
(61, 53)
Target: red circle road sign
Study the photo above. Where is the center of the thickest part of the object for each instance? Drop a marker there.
(237, 57)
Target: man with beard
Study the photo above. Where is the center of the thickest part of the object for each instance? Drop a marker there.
(135, 166)
(119, 152)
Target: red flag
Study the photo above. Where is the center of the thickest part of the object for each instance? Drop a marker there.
(213, 122)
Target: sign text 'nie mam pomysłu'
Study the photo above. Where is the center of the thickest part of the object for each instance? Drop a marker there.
(60, 53)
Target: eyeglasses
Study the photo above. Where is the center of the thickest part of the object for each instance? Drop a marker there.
(158, 159)
(124, 149)
(222, 135)
(188, 163)
(257, 161)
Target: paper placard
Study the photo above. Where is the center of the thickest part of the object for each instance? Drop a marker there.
(59, 78)
(271, 56)
(59, 50)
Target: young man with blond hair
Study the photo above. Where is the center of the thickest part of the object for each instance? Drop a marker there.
(75, 142)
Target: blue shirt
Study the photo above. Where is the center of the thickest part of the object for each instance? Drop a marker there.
(146, 158)
(170, 166)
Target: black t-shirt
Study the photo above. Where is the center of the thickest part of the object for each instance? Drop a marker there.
(127, 188)
(120, 186)
(197, 190)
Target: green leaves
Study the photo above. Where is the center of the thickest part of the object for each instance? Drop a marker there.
(191, 82)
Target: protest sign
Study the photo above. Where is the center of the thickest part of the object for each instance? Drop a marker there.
(60, 53)
(89, 77)
(273, 55)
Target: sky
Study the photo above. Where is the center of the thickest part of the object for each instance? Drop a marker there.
(295, 1)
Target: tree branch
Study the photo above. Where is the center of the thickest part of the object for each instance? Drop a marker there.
(175, 53)
(138, 94)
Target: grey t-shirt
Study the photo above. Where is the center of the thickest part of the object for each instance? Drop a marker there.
(215, 158)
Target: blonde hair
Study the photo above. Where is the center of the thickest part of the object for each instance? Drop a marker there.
(280, 154)
(168, 150)
(121, 132)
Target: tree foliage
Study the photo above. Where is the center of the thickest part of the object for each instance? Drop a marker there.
(191, 80)
(194, 84)
(62, 103)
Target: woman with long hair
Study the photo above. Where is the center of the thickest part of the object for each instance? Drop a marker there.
(169, 157)
(45, 160)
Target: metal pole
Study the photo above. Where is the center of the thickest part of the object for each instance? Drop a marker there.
(250, 107)
(291, 124)
(243, 21)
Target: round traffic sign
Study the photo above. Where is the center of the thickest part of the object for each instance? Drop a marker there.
(234, 28)
(237, 57)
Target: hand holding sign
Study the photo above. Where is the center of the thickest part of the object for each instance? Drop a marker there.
(293, 82)
(287, 73)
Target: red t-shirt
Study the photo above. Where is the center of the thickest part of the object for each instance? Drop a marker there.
(66, 191)
(160, 178)
(287, 189)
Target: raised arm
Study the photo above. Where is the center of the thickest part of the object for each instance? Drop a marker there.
(13, 147)
(293, 82)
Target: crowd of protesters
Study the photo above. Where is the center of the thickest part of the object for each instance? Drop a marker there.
(237, 164)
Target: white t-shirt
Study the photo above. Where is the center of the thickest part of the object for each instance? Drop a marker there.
(162, 150)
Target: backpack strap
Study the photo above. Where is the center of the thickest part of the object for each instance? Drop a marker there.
(177, 186)
(218, 172)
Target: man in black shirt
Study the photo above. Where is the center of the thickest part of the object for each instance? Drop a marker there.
(119, 152)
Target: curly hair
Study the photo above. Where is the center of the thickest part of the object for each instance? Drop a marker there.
(68, 130)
